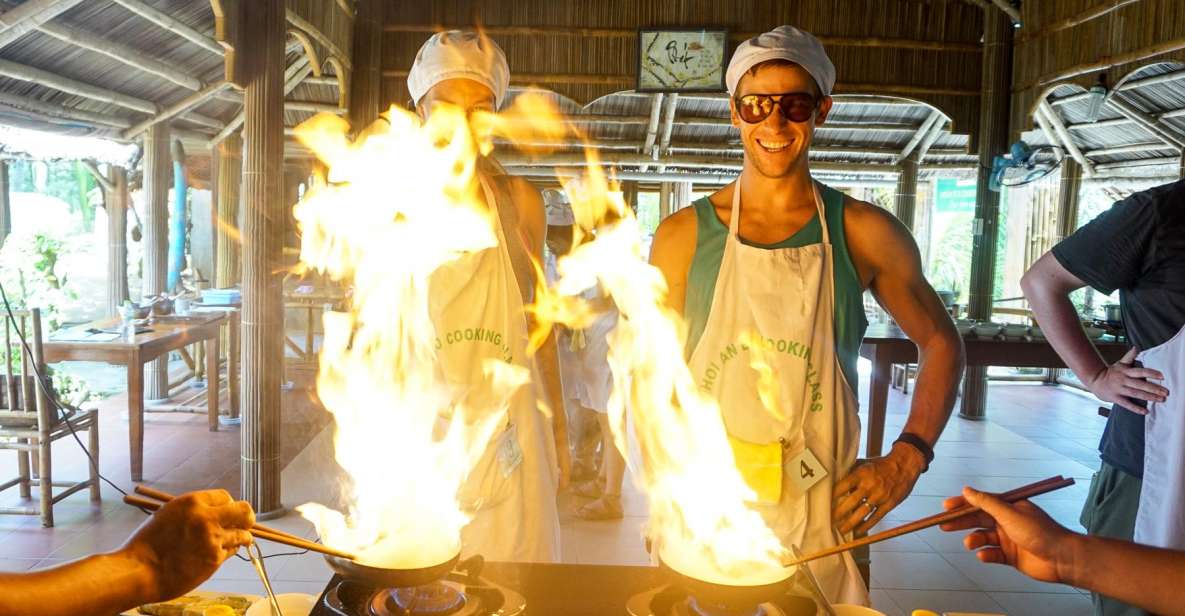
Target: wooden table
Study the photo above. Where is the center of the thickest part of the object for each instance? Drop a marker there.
(885, 345)
(234, 315)
(167, 334)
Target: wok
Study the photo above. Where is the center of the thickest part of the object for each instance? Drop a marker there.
(391, 578)
(728, 596)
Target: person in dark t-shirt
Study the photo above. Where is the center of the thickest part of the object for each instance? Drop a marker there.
(1137, 247)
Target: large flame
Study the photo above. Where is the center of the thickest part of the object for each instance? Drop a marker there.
(699, 521)
(400, 202)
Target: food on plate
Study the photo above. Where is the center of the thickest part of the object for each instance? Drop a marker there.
(199, 605)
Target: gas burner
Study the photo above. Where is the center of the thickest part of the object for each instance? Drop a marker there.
(674, 601)
(458, 594)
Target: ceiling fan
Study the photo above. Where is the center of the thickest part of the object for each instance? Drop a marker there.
(1024, 164)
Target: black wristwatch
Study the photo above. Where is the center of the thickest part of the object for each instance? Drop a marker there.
(920, 444)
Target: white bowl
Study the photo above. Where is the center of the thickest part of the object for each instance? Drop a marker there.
(1016, 330)
(1094, 333)
(986, 330)
(292, 604)
(964, 328)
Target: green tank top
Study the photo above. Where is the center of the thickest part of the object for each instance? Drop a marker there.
(711, 232)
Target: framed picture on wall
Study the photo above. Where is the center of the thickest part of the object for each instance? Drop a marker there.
(681, 59)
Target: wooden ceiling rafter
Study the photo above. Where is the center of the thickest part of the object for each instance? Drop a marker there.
(172, 24)
(28, 16)
(121, 53)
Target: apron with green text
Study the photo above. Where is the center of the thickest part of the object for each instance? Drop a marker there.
(477, 308)
(771, 334)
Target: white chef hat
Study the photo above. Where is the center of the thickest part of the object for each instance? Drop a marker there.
(459, 54)
(558, 208)
(783, 43)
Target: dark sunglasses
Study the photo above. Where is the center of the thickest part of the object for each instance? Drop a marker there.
(795, 106)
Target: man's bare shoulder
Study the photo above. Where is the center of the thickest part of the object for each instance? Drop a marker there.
(677, 230)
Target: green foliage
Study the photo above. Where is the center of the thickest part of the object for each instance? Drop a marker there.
(29, 273)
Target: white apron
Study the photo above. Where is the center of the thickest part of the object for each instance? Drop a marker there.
(1160, 520)
(478, 312)
(787, 297)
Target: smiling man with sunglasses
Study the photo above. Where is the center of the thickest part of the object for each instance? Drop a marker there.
(771, 284)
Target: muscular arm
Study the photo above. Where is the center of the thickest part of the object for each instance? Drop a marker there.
(672, 251)
(533, 229)
(101, 584)
(888, 262)
(1047, 285)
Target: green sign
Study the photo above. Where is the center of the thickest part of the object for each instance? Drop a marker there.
(952, 195)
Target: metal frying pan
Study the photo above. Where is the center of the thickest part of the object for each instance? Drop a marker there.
(391, 578)
(728, 596)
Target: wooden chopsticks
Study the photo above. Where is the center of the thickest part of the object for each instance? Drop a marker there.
(259, 531)
(1018, 494)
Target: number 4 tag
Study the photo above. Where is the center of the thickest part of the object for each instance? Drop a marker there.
(805, 470)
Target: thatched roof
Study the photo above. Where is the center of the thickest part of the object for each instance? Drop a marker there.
(903, 65)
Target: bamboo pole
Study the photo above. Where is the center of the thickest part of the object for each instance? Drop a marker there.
(263, 306)
(671, 107)
(5, 205)
(157, 169)
(303, 24)
(313, 106)
(907, 190)
(366, 83)
(934, 117)
(172, 24)
(1147, 122)
(652, 126)
(1141, 162)
(181, 106)
(1067, 199)
(1108, 62)
(24, 18)
(51, 80)
(1134, 84)
(293, 76)
(628, 33)
(1054, 121)
(993, 139)
(1089, 14)
(121, 53)
(1138, 148)
(230, 169)
(117, 248)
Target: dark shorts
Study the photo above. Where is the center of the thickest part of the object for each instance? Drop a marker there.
(1110, 511)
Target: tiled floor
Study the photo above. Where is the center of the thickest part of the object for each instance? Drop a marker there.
(1032, 431)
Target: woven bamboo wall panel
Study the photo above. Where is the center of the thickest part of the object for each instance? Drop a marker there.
(1145, 32)
(612, 56)
(328, 17)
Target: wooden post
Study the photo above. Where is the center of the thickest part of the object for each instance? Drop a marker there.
(907, 191)
(117, 234)
(1067, 200)
(5, 206)
(366, 79)
(664, 200)
(228, 271)
(158, 170)
(263, 307)
(993, 140)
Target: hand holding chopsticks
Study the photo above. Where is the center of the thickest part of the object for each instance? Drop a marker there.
(148, 498)
(1022, 493)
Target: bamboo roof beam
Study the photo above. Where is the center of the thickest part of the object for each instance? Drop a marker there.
(1090, 13)
(313, 107)
(1106, 63)
(934, 118)
(324, 80)
(1134, 84)
(93, 169)
(120, 53)
(172, 24)
(1050, 116)
(651, 122)
(55, 113)
(670, 108)
(1141, 162)
(1011, 11)
(1135, 148)
(928, 142)
(181, 106)
(629, 33)
(293, 75)
(27, 17)
(51, 80)
(308, 28)
(624, 120)
(1147, 122)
